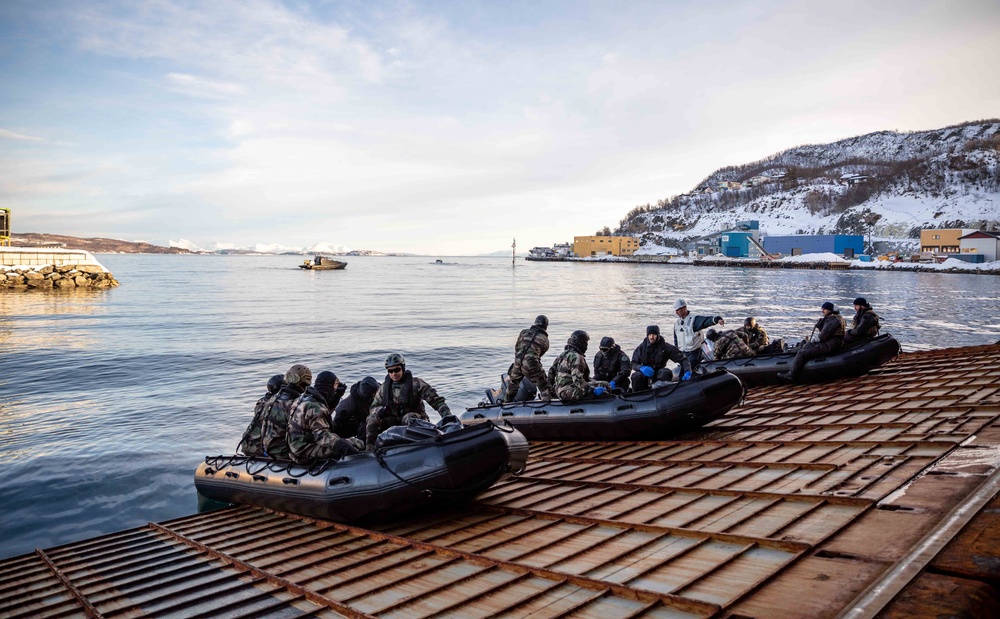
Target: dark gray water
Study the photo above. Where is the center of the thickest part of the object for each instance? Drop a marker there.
(108, 400)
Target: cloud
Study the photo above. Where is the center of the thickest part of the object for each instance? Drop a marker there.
(10, 135)
(198, 87)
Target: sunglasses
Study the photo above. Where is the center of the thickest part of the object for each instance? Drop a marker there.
(605, 349)
(395, 370)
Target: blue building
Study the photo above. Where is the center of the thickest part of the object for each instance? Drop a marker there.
(847, 245)
(735, 243)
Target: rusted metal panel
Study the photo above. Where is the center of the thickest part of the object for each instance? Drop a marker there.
(789, 506)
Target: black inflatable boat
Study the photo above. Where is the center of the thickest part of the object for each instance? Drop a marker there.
(412, 468)
(853, 361)
(659, 413)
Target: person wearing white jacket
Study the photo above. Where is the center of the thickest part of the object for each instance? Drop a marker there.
(688, 331)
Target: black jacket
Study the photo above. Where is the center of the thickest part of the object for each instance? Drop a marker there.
(612, 366)
(349, 418)
(656, 355)
(865, 324)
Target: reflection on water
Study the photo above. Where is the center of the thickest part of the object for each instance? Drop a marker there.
(109, 399)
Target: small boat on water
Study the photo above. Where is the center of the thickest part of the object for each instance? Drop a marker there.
(663, 412)
(853, 361)
(412, 468)
(322, 263)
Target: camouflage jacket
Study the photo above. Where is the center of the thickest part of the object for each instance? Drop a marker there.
(310, 433)
(754, 338)
(407, 396)
(275, 427)
(730, 346)
(531, 341)
(570, 376)
(252, 443)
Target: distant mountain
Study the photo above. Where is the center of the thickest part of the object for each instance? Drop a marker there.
(887, 183)
(93, 245)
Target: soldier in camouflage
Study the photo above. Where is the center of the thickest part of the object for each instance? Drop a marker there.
(728, 345)
(532, 343)
(570, 374)
(311, 438)
(753, 335)
(400, 399)
(252, 443)
(275, 428)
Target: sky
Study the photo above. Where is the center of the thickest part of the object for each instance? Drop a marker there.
(445, 127)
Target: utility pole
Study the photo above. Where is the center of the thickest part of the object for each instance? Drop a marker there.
(513, 253)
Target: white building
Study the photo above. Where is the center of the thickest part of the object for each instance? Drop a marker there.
(981, 242)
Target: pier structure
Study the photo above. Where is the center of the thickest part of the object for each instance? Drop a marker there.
(874, 496)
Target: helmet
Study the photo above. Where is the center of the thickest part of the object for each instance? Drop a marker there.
(712, 335)
(542, 321)
(395, 359)
(579, 339)
(607, 342)
(275, 383)
(750, 322)
(298, 374)
(679, 303)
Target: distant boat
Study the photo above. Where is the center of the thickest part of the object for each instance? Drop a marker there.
(321, 263)
(439, 261)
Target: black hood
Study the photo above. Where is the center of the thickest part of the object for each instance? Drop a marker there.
(365, 389)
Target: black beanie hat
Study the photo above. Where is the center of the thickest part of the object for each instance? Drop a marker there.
(827, 306)
(712, 335)
(861, 301)
(324, 382)
(652, 329)
(607, 341)
(368, 388)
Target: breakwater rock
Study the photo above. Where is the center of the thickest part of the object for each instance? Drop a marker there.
(51, 269)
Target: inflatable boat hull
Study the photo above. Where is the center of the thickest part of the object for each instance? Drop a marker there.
(854, 361)
(372, 486)
(659, 413)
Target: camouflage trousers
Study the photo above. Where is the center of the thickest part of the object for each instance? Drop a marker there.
(383, 420)
(529, 366)
(330, 447)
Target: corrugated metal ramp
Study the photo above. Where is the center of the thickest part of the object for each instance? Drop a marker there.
(852, 498)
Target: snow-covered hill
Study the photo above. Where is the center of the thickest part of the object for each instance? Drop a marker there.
(943, 178)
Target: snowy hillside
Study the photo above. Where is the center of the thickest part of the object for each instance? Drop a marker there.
(887, 183)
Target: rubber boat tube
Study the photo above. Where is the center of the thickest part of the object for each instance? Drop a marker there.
(854, 361)
(658, 413)
(379, 485)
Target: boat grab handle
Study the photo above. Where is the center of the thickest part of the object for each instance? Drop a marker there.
(541, 412)
(507, 414)
(625, 407)
(260, 477)
(340, 480)
(290, 480)
(232, 474)
(575, 410)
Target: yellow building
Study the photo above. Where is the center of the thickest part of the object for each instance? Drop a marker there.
(4, 226)
(944, 241)
(584, 246)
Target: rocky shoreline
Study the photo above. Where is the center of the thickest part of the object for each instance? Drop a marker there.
(49, 277)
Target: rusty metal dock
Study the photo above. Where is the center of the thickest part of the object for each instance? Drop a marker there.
(872, 497)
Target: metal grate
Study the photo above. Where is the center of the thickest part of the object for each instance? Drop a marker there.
(739, 520)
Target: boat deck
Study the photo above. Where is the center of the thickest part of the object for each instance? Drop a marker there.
(868, 497)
